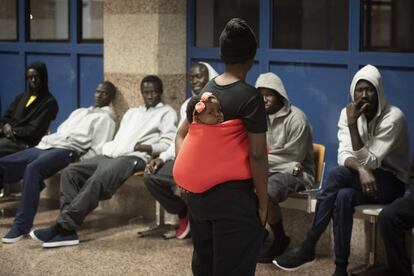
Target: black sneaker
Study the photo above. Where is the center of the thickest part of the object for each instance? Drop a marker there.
(268, 253)
(44, 234)
(296, 258)
(63, 238)
(14, 235)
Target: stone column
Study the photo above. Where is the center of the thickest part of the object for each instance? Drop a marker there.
(143, 37)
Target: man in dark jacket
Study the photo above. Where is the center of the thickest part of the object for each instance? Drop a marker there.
(28, 118)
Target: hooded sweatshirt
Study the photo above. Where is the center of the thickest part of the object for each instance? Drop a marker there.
(32, 122)
(169, 154)
(85, 132)
(289, 135)
(385, 137)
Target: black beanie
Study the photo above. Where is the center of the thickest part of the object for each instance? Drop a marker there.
(237, 42)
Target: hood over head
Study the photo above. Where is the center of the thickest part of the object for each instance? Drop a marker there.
(211, 72)
(371, 74)
(41, 69)
(272, 81)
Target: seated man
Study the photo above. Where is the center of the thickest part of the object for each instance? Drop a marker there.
(393, 221)
(290, 157)
(29, 116)
(158, 174)
(144, 131)
(82, 134)
(373, 158)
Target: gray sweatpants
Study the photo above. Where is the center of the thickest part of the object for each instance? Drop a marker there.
(280, 185)
(84, 184)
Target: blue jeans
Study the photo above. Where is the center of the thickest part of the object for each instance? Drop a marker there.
(34, 166)
(340, 194)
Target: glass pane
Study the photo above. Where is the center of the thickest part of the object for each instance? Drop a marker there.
(8, 20)
(310, 25)
(92, 19)
(212, 16)
(49, 20)
(387, 25)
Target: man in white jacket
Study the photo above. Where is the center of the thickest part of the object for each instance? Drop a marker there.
(290, 157)
(373, 159)
(81, 135)
(144, 131)
(158, 176)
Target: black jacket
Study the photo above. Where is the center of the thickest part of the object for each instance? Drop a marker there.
(32, 123)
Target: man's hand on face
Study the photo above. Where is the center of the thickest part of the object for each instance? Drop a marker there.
(154, 165)
(8, 132)
(368, 182)
(354, 110)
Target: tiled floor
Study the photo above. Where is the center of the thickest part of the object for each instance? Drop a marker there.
(109, 246)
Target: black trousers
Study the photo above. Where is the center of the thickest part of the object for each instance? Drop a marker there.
(226, 230)
(394, 220)
(84, 184)
(161, 185)
(8, 146)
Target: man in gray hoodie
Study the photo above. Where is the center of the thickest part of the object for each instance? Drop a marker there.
(373, 159)
(290, 157)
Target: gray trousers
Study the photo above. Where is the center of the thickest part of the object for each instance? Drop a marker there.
(280, 185)
(84, 184)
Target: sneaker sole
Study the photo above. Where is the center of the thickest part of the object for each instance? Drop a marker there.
(59, 244)
(13, 240)
(294, 268)
(33, 236)
(185, 233)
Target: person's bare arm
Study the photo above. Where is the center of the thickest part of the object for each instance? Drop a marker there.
(259, 167)
(181, 133)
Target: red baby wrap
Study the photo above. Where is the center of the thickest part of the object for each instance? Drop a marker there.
(212, 154)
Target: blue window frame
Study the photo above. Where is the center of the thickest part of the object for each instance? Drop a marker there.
(74, 68)
(318, 81)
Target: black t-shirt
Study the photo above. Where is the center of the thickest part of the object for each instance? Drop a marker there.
(240, 100)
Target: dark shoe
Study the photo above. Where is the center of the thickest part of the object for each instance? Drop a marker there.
(339, 271)
(63, 238)
(44, 234)
(268, 253)
(296, 258)
(14, 235)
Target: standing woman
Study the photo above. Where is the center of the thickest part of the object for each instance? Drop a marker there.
(227, 218)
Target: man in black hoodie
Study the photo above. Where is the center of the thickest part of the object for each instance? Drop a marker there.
(28, 118)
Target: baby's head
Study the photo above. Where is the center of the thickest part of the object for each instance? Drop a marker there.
(206, 109)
